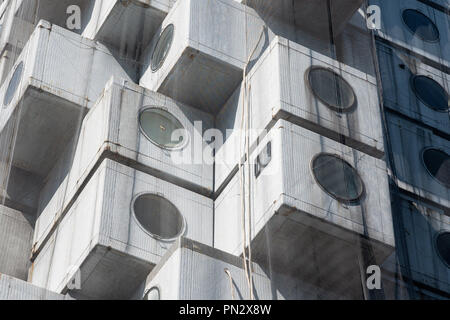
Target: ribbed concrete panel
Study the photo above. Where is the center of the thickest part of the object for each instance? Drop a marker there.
(16, 289)
(279, 89)
(22, 16)
(126, 26)
(206, 58)
(408, 142)
(7, 59)
(394, 29)
(112, 129)
(417, 226)
(62, 75)
(16, 233)
(398, 73)
(102, 237)
(290, 210)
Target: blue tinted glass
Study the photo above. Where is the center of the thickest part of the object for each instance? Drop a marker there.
(431, 93)
(420, 25)
(438, 164)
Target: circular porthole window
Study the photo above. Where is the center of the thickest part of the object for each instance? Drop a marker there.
(420, 25)
(158, 126)
(158, 216)
(431, 93)
(152, 294)
(337, 178)
(331, 89)
(162, 47)
(437, 163)
(443, 247)
(13, 84)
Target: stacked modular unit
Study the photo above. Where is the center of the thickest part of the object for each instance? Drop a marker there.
(314, 17)
(57, 77)
(125, 27)
(312, 195)
(416, 26)
(116, 175)
(14, 289)
(194, 271)
(139, 128)
(316, 199)
(413, 57)
(200, 51)
(21, 18)
(116, 230)
(289, 81)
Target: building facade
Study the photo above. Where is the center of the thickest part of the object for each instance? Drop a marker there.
(225, 149)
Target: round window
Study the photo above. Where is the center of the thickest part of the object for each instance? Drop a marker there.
(158, 216)
(159, 127)
(152, 294)
(443, 247)
(162, 47)
(338, 178)
(431, 93)
(13, 84)
(420, 25)
(437, 162)
(330, 88)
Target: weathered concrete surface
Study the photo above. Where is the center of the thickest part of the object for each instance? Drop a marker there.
(107, 244)
(291, 211)
(208, 54)
(408, 141)
(111, 129)
(397, 70)
(16, 289)
(16, 234)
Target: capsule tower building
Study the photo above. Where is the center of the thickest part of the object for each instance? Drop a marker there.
(224, 149)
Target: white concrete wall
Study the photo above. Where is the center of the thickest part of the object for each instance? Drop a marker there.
(16, 232)
(63, 74)
(15, 289)
(278, 89)
(112, 126)
(193, 271)
(100, 218)
(288, 182)
(209, 51)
